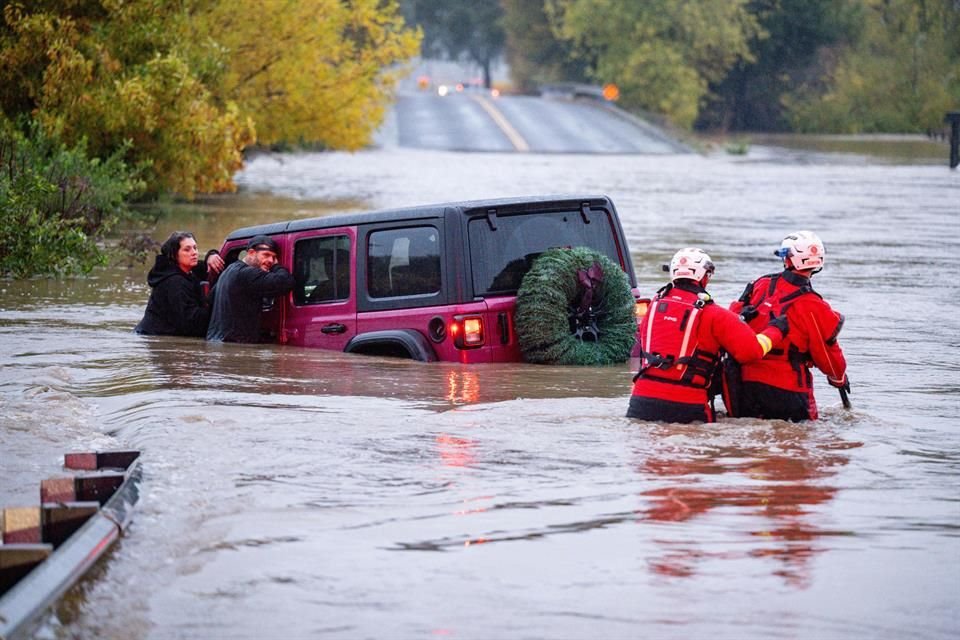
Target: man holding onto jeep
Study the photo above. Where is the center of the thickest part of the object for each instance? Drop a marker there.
(240, 290)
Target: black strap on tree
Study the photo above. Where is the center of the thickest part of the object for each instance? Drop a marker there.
(583, 317)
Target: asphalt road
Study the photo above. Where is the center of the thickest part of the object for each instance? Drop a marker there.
(478, 121)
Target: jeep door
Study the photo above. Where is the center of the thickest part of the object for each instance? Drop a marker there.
(323, 309)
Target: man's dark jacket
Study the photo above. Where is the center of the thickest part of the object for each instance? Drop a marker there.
(176, 306)
(238, 298)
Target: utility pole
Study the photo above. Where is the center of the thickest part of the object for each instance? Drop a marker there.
(953, 117)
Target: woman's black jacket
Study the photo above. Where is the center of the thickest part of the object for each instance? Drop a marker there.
(177, 306)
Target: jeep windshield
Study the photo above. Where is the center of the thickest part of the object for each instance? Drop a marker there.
(502, 248)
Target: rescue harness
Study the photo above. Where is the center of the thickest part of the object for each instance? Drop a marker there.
(670, 352)
(769, 305)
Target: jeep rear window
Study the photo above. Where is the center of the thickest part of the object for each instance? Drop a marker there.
(501, 257)
(403, 262)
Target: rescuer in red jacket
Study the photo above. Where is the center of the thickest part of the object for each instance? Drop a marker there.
(781, 385)
(681, 338)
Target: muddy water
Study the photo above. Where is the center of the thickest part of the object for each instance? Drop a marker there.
(304, 494)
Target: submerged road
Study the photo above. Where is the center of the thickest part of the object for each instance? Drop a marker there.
(478, 121)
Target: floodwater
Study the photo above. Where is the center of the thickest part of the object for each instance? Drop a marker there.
(293, 493)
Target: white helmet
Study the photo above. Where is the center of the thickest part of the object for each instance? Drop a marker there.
(802, 250)
(690, 263)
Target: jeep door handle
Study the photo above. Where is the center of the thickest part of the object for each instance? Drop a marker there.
(333, 328)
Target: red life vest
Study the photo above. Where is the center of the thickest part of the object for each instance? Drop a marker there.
(773, 294)
(669, 340)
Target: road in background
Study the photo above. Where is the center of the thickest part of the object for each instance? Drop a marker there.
(475, 120)
(443, 106)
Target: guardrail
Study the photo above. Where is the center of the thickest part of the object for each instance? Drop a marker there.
(45, 549)
(572, 90)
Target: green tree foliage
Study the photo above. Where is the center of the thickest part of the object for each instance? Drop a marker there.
(798, 34)
(170, 90)
(109, 72)
(187, 82)
(457, 29)
(901, 75)
(313, 71)
(56, 203)
(663, 54)
(533, 51)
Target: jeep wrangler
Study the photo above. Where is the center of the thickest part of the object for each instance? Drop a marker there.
(435, 282)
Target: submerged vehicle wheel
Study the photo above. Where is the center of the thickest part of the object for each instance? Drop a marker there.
(575, 307)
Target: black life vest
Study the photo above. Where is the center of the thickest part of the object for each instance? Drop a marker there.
(670, 339)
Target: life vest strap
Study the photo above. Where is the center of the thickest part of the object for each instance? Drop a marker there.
(700, 364)
(689, 366)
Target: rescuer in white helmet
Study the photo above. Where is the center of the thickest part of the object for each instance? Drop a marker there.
(681, 337)
(781, 385)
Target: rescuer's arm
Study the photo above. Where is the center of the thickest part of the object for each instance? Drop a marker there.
(741, 342)
(823, 325)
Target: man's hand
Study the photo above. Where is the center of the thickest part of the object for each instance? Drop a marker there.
(843, 383)
(780, 322)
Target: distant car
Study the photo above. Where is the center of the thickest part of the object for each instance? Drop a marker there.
(437, 282)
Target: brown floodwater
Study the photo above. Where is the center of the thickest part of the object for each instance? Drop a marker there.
(301, 494)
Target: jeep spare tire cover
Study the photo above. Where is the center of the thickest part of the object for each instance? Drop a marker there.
(575, 307)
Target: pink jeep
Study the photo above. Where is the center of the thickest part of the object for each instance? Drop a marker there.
(436, 282)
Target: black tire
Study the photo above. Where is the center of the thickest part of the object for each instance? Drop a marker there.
(551, 326)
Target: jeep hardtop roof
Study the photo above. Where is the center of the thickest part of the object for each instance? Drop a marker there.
(503, 206)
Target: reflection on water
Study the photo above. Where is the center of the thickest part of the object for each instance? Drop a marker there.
(463, 387)
(779, 489)
(192, 364)
(298, 493)
(455, 451)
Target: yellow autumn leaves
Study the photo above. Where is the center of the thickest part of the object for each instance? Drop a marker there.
(191, 83)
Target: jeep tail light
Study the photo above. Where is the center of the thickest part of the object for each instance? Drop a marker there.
(467, 331)
(640, 308)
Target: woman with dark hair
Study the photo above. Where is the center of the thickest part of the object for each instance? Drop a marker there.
(177, 305)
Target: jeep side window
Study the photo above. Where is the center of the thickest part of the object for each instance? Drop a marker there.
(403, 262)
(501, 257)
(321, 269)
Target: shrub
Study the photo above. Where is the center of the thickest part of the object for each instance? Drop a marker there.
(57, 203)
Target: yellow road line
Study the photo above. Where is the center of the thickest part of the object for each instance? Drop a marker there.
(512, 134)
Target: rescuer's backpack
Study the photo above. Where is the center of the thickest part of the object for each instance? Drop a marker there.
(756, 312)
(669, 337)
